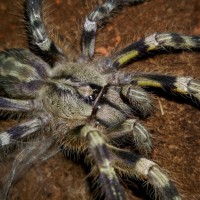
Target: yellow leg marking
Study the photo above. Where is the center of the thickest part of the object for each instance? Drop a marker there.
(147, 83)
(126, 57)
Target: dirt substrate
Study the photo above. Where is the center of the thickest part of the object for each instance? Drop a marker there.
(175, 124)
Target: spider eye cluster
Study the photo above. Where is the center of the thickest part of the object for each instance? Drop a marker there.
(88, 93)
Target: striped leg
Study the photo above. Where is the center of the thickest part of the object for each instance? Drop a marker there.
(97, 17)
(129, 164)
(17, 105)
(128, 132)
(88, 139)
(157, 41)
(22, 73)
(35, 26)
(22, 130)
(139, 100)
(180, 84)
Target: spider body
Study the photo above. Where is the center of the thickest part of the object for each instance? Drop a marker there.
(90, 106)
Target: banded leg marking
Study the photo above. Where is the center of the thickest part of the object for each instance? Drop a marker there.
(157, 41)
(36, 27)
(94, 19)
(130, 164)
(22, 73)
(107, 175)
(17, 105)
(180, 84)
(132, 130)
(88, 140)
(22, 130)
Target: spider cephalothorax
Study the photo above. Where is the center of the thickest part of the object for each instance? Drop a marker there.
(90, 106)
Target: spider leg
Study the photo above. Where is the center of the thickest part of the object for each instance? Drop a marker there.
(118, 103)
(157, 41)
(95, 19)
(139, 99)
(127, 163)
(17, 105)
(132, 131)
(89, 140)
(38, 35)
(22, 73)
(22, 130)
(25, 159)
(111, 109)
(180, 84)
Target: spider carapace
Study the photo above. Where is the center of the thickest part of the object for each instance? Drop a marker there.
(90, 106)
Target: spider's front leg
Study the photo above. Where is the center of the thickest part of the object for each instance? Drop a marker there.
(38, 35)
(180, 84)
(95, 19)
(155, 42)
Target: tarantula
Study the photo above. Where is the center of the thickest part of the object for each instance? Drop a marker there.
(91, 107)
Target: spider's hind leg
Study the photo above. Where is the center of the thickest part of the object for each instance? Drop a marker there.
(129, 164)
(22, 130)
(33, 152)
(179, 84)
(15, 105)
(90, 141)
